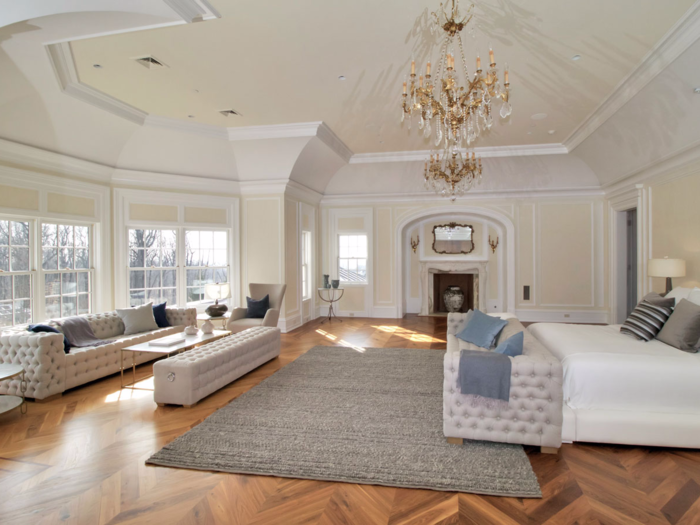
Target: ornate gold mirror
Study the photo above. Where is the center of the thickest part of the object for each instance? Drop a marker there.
(453, 238)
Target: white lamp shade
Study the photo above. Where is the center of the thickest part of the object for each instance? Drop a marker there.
(217, 291)
(666, 267)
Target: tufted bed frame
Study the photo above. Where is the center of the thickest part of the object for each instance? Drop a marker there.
(50, 371)
(534, 413)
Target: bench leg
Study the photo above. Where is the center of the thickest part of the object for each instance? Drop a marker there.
(549, 450)
(455, 441)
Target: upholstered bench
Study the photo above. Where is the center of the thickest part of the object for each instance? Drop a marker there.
(186, 378)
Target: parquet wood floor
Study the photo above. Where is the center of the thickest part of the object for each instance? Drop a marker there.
(80, 460)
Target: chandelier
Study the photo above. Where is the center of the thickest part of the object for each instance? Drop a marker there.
(454, 109)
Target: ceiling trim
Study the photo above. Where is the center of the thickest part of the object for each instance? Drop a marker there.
(206, 130)
(473, 195)
(484, 152)
(677, 40)
(193, 10)
(149, 179)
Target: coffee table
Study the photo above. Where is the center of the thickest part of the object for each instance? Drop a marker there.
(189, 342)
(9, 402)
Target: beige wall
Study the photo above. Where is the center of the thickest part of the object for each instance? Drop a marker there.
(205, 215)
(291, 256)
(353, 299)
(676, 227)
(263, 243)
(152, 212)
(525, 253)
(19, 198)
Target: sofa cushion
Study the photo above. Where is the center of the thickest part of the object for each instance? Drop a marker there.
(159, 315)
(482, 329)
(513, 346)
(646, 320)
(138, 319)
(257, 309)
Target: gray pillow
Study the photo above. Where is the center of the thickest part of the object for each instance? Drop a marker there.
(657, 300)
(682, 330)
(138, 319)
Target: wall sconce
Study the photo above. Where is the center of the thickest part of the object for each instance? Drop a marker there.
(493, 245)
(414, 244)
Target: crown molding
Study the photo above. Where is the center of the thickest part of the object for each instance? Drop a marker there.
(484, 152)
(149, 179)
(330, 139)
(303, 193)
(206, 130)
(678, 39)
(193, 10)
(274, 131)
(473, 195)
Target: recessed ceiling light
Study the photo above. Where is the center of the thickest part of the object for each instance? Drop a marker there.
(697, 90)
(97, 66)
(539, 116)
(552, 131)
(576, 58)
(341, 77)
(190, 116)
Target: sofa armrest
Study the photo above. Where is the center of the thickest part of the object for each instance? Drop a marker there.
(238, 313)
(41, 356)
(181, 316)
(272, 316)
(534, 413)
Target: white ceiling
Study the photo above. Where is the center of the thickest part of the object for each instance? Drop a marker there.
(278, 62)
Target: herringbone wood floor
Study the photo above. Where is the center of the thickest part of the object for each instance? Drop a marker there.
(80, 459)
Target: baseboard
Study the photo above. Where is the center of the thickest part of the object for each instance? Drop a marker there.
(563, 316)
(290, 323)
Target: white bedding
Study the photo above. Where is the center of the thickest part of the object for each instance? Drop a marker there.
(606, 370)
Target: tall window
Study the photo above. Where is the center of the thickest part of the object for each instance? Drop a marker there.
(206, 261)
(152, 266)
(16, 279)
(66, 264)
(306, 265)
(352, 259)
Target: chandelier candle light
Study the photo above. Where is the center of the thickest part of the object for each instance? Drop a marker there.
(461, 108)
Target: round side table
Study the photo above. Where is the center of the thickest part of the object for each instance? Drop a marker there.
(10, 402)
(331, 298)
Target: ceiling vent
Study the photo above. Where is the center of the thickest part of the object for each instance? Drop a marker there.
(230, 112)
(150, 62)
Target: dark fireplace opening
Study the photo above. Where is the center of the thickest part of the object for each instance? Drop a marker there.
(441, 281)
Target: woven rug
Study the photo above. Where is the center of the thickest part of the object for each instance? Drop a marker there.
(338, 414)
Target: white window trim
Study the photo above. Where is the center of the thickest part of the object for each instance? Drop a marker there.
(337, 258)
(307, 267)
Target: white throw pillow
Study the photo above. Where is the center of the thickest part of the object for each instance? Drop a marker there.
(694, 296)
(679, 293)
(138, 319)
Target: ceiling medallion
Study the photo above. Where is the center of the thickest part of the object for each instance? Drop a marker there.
(461, 108)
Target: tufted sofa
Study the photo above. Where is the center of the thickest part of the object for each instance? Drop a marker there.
(50, 371)
(534, 414)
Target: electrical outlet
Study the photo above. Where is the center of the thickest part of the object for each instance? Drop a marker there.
(567, 315)
(352, 314)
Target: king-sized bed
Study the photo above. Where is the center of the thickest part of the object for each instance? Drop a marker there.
(621, 390)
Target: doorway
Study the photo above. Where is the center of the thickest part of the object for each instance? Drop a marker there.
(631, 260)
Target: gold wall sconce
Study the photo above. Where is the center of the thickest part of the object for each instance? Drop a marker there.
(493, 244)
(414, 244)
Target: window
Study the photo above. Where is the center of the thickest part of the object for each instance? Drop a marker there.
(16, 279)
(306, 265)
(352, 260)
(65, 259)
(152, 266)
(206, 261)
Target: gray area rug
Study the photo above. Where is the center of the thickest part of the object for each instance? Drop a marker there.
(337, 414)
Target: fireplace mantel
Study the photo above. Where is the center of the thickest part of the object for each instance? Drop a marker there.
(429, 267)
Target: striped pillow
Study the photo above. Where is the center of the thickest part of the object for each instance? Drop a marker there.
(646, 320)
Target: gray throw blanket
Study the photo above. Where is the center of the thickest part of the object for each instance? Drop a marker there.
(484, 375)
(79, 332)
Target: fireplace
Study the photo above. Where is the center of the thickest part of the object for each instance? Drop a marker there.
(436, 276)
(440, 283)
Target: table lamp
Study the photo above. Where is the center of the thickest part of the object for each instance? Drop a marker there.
(668, 268)
(217, 291)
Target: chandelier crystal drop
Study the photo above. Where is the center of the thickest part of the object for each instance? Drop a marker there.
(459, 106)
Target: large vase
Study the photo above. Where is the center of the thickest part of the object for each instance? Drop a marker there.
(454, 298)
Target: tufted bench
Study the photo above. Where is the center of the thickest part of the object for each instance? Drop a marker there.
(50, 371)
(186, 378)
(534, 415)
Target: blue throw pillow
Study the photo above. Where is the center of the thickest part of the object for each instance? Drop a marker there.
(257, 309)
(159, 315)
(482, 329)
(512, 346)
(36, 328)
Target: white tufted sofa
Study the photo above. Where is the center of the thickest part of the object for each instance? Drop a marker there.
(50, 371)
(534, 415)
(186, 378)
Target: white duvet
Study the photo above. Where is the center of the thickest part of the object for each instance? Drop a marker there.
(604, 369)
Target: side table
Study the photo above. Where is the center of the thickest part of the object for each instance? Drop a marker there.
(9, 402)
(331, 298)
(224, 318)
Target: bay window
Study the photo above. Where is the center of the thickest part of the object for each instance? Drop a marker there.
(15, 277)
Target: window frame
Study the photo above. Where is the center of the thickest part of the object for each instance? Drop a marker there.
(306, 265)
(348, 233)
(13, 274)
(202, 305)
(161, 268)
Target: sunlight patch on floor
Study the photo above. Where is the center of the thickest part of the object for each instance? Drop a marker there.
(411, 335)
(342, 342)
(126, 394)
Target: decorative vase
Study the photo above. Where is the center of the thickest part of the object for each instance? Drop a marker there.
(216, 310)
(335, 283)
(207, 327)
(454, 298)
(191, 330)
(326, 284)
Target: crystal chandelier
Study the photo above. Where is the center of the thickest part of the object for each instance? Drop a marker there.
(454, 108)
